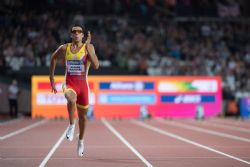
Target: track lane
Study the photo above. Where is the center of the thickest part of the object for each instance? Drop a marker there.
(231, 122)
(164, 151)
(15, 125)
(102, 148)
(22, 130)
(236, 148)
(30, 147)
(9, 121)
(215, 127)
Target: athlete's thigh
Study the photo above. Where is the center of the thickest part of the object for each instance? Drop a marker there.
(83, 96)
(70, 95)
(69, 91)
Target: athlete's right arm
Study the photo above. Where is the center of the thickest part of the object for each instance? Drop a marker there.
(60, 52)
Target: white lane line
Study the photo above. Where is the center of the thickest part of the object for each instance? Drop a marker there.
(23, 129)
(51, 152)
(158, 130)
(155, 159)
(10, 121)
(117, 134)
(194, 128)
(230, 127)
(232, 122)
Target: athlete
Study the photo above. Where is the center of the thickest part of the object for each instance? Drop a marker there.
(78, 56)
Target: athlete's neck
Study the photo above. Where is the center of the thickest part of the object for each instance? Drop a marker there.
(77, 44)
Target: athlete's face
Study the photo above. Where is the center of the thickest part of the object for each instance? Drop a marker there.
(76, 34)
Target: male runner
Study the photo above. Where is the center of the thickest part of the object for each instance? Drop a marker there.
(78, 57)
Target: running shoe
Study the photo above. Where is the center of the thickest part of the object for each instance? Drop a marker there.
(70, 132)
(80, 148)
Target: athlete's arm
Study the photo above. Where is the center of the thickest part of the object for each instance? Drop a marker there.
(91, 52)
(92, 56)
(57, 54)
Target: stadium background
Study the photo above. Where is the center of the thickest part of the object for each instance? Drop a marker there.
(142, 37)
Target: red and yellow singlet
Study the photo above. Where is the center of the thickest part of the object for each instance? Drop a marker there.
(77, 66)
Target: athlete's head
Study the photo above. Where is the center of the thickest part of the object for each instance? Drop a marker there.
(77, 33)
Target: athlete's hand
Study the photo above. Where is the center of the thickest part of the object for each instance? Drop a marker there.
(53, 88)
(88, 41)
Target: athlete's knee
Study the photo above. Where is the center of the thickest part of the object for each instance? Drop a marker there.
(71, 97)
(82, 117)
(72, 100)
(82, 114)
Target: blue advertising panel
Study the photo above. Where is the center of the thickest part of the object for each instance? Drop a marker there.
(245, 107)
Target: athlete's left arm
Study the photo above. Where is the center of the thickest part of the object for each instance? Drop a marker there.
(92, 56)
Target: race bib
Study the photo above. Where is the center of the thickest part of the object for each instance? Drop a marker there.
(75, 67)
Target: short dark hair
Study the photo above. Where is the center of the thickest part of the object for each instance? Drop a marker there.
(76, 25)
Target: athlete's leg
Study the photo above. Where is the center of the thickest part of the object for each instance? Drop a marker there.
(71, 105)
(82, 108)
(82, 115)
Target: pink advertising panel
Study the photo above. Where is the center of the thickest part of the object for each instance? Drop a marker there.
(124, 96)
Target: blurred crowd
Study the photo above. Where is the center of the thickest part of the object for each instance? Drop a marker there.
(181, 48)
(152, 46)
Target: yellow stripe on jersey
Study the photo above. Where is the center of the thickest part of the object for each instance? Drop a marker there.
(82, 107)
(75, 56)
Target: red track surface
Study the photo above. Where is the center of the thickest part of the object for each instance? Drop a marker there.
(177, 147)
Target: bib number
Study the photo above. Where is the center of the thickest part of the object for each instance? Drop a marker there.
(75, 67)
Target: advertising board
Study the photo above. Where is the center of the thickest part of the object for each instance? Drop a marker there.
(122, 96)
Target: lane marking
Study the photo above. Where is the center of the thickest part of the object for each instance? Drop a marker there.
(194, 128)
(51, 152)
(118, 135)
(10, 121)
(172, 135)
(23, 129)
(231, 122)
(230, 127)
(88, 158)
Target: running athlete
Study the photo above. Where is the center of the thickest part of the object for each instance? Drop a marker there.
(78, 57)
